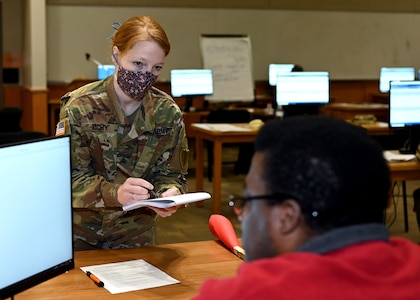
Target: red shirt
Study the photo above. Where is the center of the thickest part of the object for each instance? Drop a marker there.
(377, 269)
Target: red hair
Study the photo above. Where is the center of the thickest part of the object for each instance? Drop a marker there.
(140, 28)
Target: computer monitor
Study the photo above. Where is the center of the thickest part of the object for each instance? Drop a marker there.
(35, 214)
(387, 74)
(302, 88)
(404, 110)
(273, 69)
(191, 82)
(105, 70)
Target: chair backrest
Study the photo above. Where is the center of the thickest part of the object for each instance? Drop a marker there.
(229, 116)
(10, 119)
(13, 137)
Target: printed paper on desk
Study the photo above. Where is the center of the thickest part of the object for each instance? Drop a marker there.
(395, 156)
(130, 276)
(166, 202)
(227, 127)
(223, 127)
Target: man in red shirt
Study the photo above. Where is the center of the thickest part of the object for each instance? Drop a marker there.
(312, 219)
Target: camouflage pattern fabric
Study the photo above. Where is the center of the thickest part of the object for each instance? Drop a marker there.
(151, 144)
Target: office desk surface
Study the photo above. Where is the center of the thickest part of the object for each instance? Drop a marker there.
(348, 111)
(193, 117)
(219, 134)
(190, 263)
(405, 171)
(377, 128)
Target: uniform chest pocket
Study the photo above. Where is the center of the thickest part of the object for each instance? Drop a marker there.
(106, 135)
(103, 146)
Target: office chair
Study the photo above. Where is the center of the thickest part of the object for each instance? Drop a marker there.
(10, 130)
(245, 149)
(10, 117)
(14, 137)
(397, 140)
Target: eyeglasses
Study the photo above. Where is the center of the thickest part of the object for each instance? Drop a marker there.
(238, 202)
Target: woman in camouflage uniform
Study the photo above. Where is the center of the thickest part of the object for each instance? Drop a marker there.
(128, 143)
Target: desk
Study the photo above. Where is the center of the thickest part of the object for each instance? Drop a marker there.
(404, 171)
(377, 128)
(190, 263)
(347, 111)
(193, 117)
(210, 132)
(400, 171)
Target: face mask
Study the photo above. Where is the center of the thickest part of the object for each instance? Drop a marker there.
(135, 83)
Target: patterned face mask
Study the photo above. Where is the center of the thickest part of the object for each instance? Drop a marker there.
(135, 83)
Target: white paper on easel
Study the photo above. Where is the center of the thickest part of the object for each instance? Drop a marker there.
(129, 276)
(230, 58)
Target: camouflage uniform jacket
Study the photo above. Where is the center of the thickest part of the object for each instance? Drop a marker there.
(154, 148)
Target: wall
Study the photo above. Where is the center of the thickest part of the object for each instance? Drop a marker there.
(324, 5)
(350, 45)
(12, 22)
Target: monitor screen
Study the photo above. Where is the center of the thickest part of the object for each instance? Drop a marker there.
(273, 69)
(191, 82)
(404, 103)
(105, 70)
(302, 88)
(36, 213)
(395, 73)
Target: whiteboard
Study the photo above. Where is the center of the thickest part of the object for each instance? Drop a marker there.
(230, 59)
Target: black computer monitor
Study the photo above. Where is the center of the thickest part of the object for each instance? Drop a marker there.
(388, 74)
(191, 82)
(273, 69)
(302, 88)
(35, 214)
(105, 70)
(404, 110)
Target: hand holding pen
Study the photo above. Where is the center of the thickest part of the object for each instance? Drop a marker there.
(136, 189)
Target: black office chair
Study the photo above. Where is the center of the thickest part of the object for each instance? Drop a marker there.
(14, 137)
(397, 140)
(10, 117)
(245, 149)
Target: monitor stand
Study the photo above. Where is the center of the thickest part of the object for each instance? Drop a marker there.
(188, 103)
(413, 140)
(292, 110)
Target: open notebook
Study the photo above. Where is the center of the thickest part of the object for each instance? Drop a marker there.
(166, 202)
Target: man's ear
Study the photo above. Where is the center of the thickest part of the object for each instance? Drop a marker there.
(286, 217)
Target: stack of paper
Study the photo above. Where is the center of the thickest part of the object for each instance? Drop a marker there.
(394, 156)
(129, 276)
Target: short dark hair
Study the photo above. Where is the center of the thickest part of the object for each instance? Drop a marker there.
(334, 170)
(297, 68)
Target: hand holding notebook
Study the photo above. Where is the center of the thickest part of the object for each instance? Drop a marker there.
(170, 201)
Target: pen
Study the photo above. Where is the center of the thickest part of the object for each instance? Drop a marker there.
(95, 279)
(153, 194)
